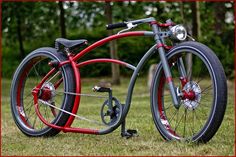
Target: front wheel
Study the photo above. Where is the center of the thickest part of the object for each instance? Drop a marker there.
(201, 85)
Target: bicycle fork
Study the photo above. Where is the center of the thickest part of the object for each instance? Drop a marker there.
(166, 67)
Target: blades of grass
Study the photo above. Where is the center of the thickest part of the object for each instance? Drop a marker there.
(180, 121)
(185, 116)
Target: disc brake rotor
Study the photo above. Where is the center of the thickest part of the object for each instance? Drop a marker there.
(193, 87)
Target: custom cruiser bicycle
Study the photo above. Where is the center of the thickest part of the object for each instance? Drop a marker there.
(188, 96)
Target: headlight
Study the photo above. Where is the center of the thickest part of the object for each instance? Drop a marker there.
(178, 32)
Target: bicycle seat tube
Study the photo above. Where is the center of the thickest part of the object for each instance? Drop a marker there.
(165, 65)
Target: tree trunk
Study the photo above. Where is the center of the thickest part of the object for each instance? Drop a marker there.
(20, 39)
(62, 20)
(219, 12)
(196, 20)
(196, 32)
(113, 47)
(182, 11)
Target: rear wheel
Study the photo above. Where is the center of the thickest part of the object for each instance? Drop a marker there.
(202, 94)
(52, 93)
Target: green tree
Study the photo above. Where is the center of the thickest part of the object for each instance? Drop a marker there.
(13, 19)
(62, 19)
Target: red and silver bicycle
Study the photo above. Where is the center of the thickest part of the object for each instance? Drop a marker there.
(188, 99)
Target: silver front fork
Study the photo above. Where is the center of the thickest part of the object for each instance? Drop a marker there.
(166, 67)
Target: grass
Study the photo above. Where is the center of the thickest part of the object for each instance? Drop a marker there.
(149, 141)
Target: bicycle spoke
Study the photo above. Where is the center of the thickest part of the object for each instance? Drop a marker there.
(206, 89)
(42, 124)
(39, 65)
(54, 76)
(179, 121)
(30, 94)
(45, 112)
(205, 114)
(176, 121)
(198, 118)
(193, 123)
(173, 116)
(29, 114)
(29, 106)
(169, 106)
(201, 107)
(185, 115)
(34, 121)
(36, 72)
(205, 95)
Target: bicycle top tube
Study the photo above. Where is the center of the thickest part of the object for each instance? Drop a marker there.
(107, 39)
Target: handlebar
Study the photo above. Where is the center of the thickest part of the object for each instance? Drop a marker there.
(149, 20)
(124, 24)
(116, 25)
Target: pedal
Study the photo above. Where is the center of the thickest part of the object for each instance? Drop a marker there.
(101, 89)
(129, 133)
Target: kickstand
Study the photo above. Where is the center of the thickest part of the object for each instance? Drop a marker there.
(127, 133)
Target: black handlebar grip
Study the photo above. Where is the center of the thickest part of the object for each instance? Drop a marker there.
(116, 25)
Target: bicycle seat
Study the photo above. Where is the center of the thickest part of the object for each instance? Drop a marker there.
(71, 44)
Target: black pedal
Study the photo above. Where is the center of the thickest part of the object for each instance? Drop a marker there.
(129, 133)
(101, 89)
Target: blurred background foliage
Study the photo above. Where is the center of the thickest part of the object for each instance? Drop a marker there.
(29, 25)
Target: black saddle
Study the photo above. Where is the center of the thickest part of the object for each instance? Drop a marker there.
(70, 44)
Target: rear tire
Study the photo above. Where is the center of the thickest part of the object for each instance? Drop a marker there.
(209, 104)
(29, 73)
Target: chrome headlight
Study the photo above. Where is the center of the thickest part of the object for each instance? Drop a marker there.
(178, 32)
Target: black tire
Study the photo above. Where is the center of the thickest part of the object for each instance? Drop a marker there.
(209, 103)
(28, 74)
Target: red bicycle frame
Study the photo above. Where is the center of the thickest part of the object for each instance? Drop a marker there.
(72, 60)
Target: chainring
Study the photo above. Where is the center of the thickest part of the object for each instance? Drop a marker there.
(111, 116)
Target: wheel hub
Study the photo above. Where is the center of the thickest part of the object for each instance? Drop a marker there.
(47, 91)
(191, 95)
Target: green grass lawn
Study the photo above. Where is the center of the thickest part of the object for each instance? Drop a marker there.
(149, 141)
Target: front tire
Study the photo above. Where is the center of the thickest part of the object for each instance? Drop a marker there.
(199, 116)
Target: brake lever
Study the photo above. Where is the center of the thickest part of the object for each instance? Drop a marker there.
(129, 26)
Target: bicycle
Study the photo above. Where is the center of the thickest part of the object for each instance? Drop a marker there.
(47, 86)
